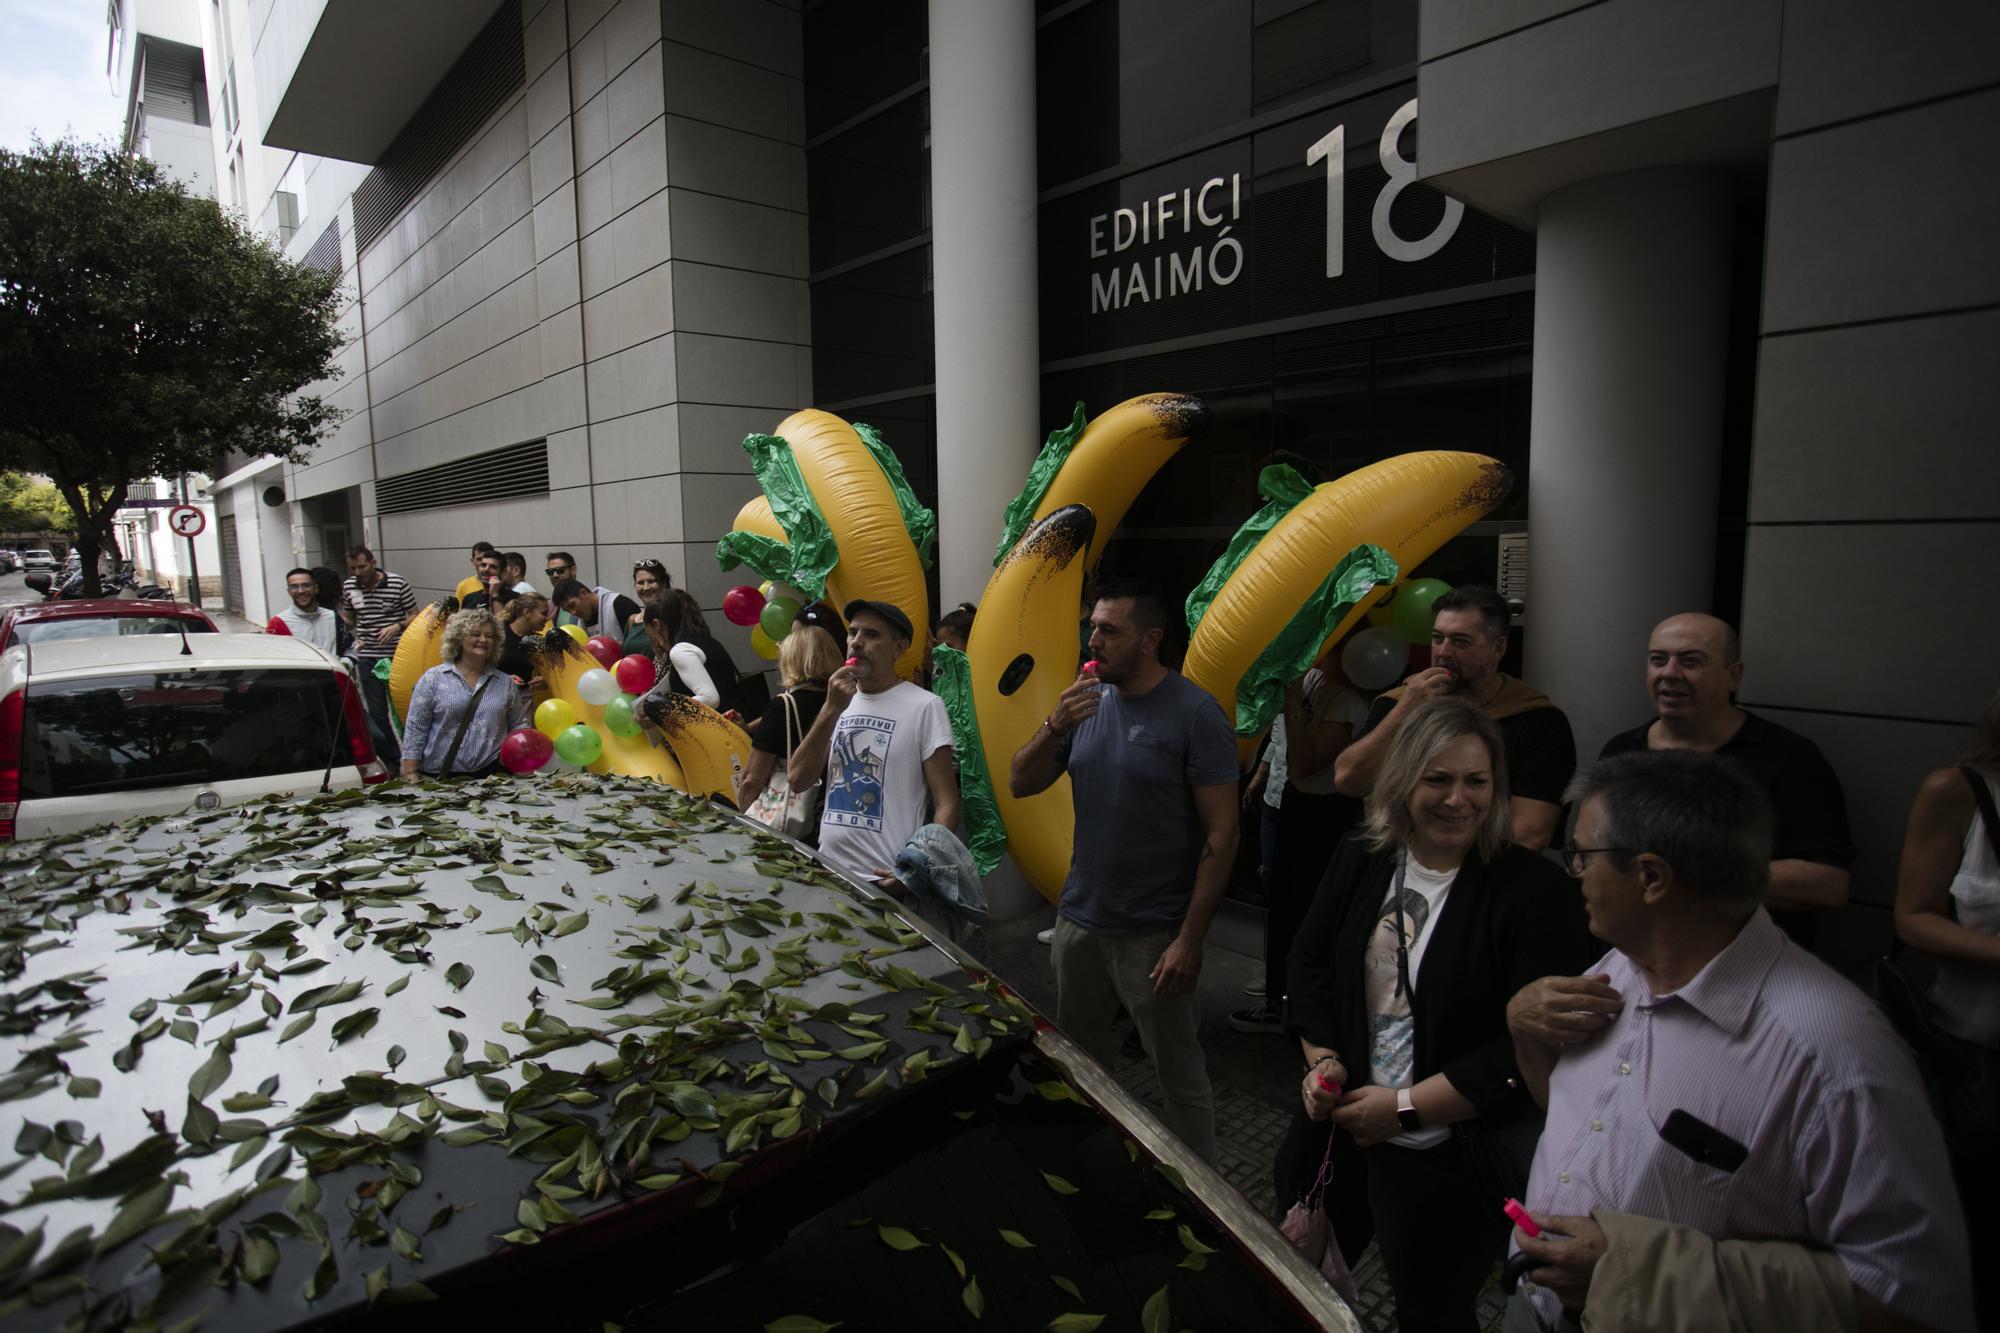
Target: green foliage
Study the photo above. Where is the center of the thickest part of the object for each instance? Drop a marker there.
(29, 504)
(143, 331)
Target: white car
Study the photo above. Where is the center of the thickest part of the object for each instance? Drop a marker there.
(41, 558)
(97, 730)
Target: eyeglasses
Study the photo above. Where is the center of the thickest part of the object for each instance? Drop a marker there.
(1573, 856)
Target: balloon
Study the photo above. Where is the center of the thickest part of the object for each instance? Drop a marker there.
(635, 674)
(1411, 616)
(743, 605)
(760, 643)
(576, 632)
(554, 716)
(1382, 614)
(765, 588)
(776, 620)
(619, 717)
(596, 688)
(526, 750)
(1373, 659)
(604, 648)
(580, 744)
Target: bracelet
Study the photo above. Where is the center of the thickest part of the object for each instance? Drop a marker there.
(1322, 1060)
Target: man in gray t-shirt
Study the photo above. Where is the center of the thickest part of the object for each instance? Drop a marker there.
(1152, 765)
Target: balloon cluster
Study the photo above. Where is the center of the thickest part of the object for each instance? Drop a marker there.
(1378, 656)
(612, 686)
(768, 610)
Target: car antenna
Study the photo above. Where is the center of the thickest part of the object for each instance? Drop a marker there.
(339, 729)
(187, 650)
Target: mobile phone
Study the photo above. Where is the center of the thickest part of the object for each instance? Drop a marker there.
(1703, 1142)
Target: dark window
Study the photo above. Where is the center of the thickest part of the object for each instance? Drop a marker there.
(872, 329)
(1076, 103)
(147, 729)
(52, 631)
(869, 187)
(858, 53)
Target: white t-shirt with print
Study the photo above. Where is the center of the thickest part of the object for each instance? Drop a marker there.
(1393, 1050)
(875, 793)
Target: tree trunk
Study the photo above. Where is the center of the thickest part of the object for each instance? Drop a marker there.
(93, 525)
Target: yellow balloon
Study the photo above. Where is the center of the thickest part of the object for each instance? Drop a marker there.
(764, 589)
(576, 632)
(762, 645)
(554, 716)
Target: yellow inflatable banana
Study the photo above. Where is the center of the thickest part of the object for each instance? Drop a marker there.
(418, 651)
(563, 662)
(1023, 654)
(756, 516)
(1409, 506)
(709, 747)
(1117, 454)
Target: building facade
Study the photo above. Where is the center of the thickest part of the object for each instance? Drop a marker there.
(1669, 264)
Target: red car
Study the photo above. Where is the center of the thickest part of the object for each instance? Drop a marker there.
(43, 622)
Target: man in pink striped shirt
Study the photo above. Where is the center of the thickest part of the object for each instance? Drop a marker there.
(1712, 1074)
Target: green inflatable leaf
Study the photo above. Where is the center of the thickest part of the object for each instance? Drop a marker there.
(1283, 488)
(810, 550)
(767, 555)
(952, 682)
(1042, 475)
(920, 522)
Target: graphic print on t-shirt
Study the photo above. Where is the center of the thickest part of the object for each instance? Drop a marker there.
(1394, 1047)
(860, 757)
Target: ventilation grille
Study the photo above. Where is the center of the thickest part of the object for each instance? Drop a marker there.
(497, 474)
(489, 72)
(325, 252)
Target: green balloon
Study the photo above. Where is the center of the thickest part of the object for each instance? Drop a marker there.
(619, 717)
(777, 617)
(1410, 613)
(580, 745)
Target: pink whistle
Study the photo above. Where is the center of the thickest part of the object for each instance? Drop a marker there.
(1090, 667)
(854, 661)
(1332, 1088)
(1522, 1218)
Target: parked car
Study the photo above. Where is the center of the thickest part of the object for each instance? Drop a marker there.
(9, 561)
(98, 617)
(96, 730)
(556, 1052)
(38, 558)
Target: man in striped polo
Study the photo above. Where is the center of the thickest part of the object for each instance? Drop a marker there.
(378, 606)
(1713, 1076)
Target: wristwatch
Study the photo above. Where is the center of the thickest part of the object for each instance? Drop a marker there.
(1406, 1112)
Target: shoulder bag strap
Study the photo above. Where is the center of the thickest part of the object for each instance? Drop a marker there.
(458, 738)
(1983, 794)
(791, 706)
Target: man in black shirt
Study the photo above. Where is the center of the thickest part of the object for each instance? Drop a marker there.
(1693, 670)
(486, 567)
(599, 610)
(1468, 639)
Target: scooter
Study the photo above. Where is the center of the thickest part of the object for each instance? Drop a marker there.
(71, 587)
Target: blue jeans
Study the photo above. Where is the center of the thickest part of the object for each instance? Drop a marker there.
(375, 696)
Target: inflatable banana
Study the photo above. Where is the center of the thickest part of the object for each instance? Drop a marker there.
(1114, 458)
(709, 747)
(1409, 506)
(1023, 655)
(562, 662)
(756, 516)
(420, 649)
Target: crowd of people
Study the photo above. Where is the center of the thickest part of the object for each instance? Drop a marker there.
(1625, 1030)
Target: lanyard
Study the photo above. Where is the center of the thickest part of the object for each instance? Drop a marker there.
(1403, 986)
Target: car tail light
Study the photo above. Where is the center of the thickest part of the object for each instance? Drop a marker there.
(360, 743)
(13, 716)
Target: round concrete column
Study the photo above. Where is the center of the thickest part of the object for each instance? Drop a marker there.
(983, 260)
(1631, 328)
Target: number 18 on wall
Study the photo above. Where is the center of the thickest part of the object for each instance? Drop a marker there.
(1332, 149)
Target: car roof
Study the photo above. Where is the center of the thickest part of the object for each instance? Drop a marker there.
(117, 655)
(101, 608)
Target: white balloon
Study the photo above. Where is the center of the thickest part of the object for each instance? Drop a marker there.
(1374, 659)
(597, 687)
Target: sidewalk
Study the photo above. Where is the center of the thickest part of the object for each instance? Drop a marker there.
(1255, 1077)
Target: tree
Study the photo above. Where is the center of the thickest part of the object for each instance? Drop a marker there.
(29, 504)
(143, 332)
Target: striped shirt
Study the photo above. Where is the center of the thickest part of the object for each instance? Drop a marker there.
(389, 603)
(1774, 1049)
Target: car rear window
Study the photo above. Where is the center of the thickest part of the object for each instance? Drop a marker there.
(152, 729)
(99, 627)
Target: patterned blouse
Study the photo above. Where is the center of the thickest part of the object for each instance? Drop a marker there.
(439, 702)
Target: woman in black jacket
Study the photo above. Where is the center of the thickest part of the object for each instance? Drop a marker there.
(1426, 923)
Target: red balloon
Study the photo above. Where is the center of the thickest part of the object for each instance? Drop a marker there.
(605, 649)
(743, 605)
(525, 750)
(635, 674)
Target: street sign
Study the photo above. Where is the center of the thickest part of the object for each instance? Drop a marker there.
(168, 503)
(186, 521)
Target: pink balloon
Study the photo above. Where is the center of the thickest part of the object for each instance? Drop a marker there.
(742, 605)
(605, 649)
(525, 750)
(635, 674)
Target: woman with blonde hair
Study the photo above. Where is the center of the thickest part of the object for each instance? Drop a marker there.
(1425, 925)
(806, 657)
(463, 707)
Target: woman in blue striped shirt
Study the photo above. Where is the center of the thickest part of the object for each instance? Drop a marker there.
(464, 707)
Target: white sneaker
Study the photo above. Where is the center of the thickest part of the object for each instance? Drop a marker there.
(1046, 936)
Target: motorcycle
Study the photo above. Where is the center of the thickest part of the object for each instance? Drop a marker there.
(70, 587)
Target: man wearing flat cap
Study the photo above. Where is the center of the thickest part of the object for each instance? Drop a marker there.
(884, 747)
